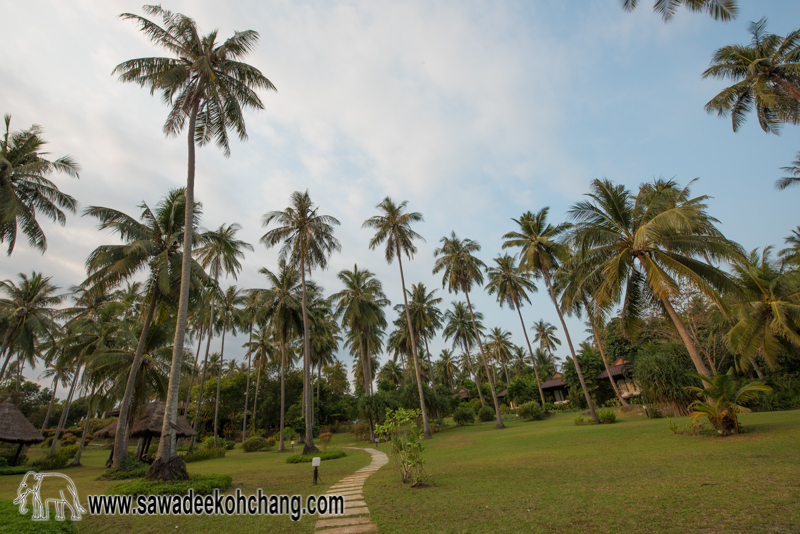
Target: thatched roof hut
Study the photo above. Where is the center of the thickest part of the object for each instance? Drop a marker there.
(15, 428)
(107, 432)
(150, 424)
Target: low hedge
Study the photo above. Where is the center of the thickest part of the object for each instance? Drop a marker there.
(18, 470)
(203, 454)
(201, 484)
(59, 461)
(255, 444)
(530, 411)
(128, 468)
(13, 521)
(331, 454)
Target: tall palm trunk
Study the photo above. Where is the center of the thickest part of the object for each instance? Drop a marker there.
(425, 425)
(167, 445)
(546, 275)
(282, 447)
(121, 439)
(191, 379)
(202, 378)
(50, 407)
(219, 383)
(603, 355)
(65, 412)
(5, 350)
(77, 461)
(247, 389)
(498, 417)
(530, 351)
(474, 374)
(255, 396)
(309, 439)
(430, 366)
(367, 381)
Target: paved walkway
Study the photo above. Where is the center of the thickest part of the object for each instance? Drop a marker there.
(356, 515)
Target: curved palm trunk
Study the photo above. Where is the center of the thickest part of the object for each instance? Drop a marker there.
(605, 360)
(282, 446)
(571, 349)
(474, 374)
(65, 413)
(247, 389)
(255, 397)
(191, 379)
(309, 441)
(219, 383)
(121, 439)
(50, 407)
(202, 378)
(687, 340)
(77, 461)
(497, 415)
(530, 351)
(430, 367)
(425, 425)
(365, 370)
(167, 465)
(5, 350)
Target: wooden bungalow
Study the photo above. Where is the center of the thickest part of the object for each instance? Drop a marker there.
(556, 387)
(462, 393)
(620, 371)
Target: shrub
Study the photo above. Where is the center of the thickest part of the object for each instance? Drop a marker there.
(476, 405)
(361, 430)
(18, 470)
(331, 454)
(325, 439)
(405, 441)
(580, 420)
(606, 417)
(201, 484)
(128, 468)
(254, 445)
(464, 416)
(59, 461)
(208, 443)
(3, 462)
(530, 411)
(203, 454)
(504, 409)
(289, 433)
(68, 438)
(13, 521)
(485, 414)
(271, 442)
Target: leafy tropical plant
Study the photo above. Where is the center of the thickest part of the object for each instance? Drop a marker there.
(723, 400)
(405, 445)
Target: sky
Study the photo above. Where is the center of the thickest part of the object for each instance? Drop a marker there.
(474, 112)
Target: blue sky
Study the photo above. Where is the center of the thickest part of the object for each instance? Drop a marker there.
(474, 112)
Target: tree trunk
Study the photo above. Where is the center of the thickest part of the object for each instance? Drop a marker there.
(5, 350)
(603, 355)
(365, 369)
(425, 425)
(77, 461)
(191, 379)
(202, 380)
(498, 417)
(247, 389)
(219, 383)
(758, 369)
(309, 441)
(167, 465)
(430, 366)
(530, 351)
(65, 412)
(474, 374)
(687, 340)
(255, 396)
(571, 349)
(50, 407)
(282, 446)
(121, 439)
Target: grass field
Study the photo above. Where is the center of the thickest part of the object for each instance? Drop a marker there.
(543, 476)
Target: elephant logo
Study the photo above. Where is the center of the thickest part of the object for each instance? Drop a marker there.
(46, 488)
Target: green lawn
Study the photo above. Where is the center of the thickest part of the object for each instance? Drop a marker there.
(543, 476)
(631, 476)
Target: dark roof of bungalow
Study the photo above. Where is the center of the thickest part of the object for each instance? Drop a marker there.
(617, 369)
(150, 424)
(463, 393)
(503, 393)
(554, 382)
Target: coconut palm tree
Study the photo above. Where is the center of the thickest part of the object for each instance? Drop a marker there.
(767, 312)
(459, 327)
(282, 308)
(544, 362)
(153, 243)
(794, 178)
(25, 188)
(512, 284)
(393, 226)
(541, 254)
(205, 83)
(307, 241)
(336, 377)
(391, 372)
(518, 360)
(252, 312)
(447, 367)
(724, 10)
(262, 347)
(461, 271)
(230, 318)
(500, 347)
(766, 74)
(545, 334)
(324, 333)
(649, 245)
(426, 318)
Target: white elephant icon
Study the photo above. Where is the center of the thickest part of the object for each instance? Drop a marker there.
(46, 488)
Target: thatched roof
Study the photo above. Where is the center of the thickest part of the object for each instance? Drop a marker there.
(108, 432)
(150, 424)
(14, 427)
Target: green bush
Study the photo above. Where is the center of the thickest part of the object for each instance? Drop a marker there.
(208, 443)
(606, 417)
(201, 484)
(325, 439)
(59, 461)
(331, 454)
(485, 414)
(13, 521)
(18, 470)
(271, 442)
(128, 468)
(530, 411)
(67, 438)
(464, 416)
(361, 430)
(504, 409)
(476, 405)
(203, 454)
(255, 444)
(3, 462)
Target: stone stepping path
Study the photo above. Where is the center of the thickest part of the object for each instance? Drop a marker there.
(356, 513)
